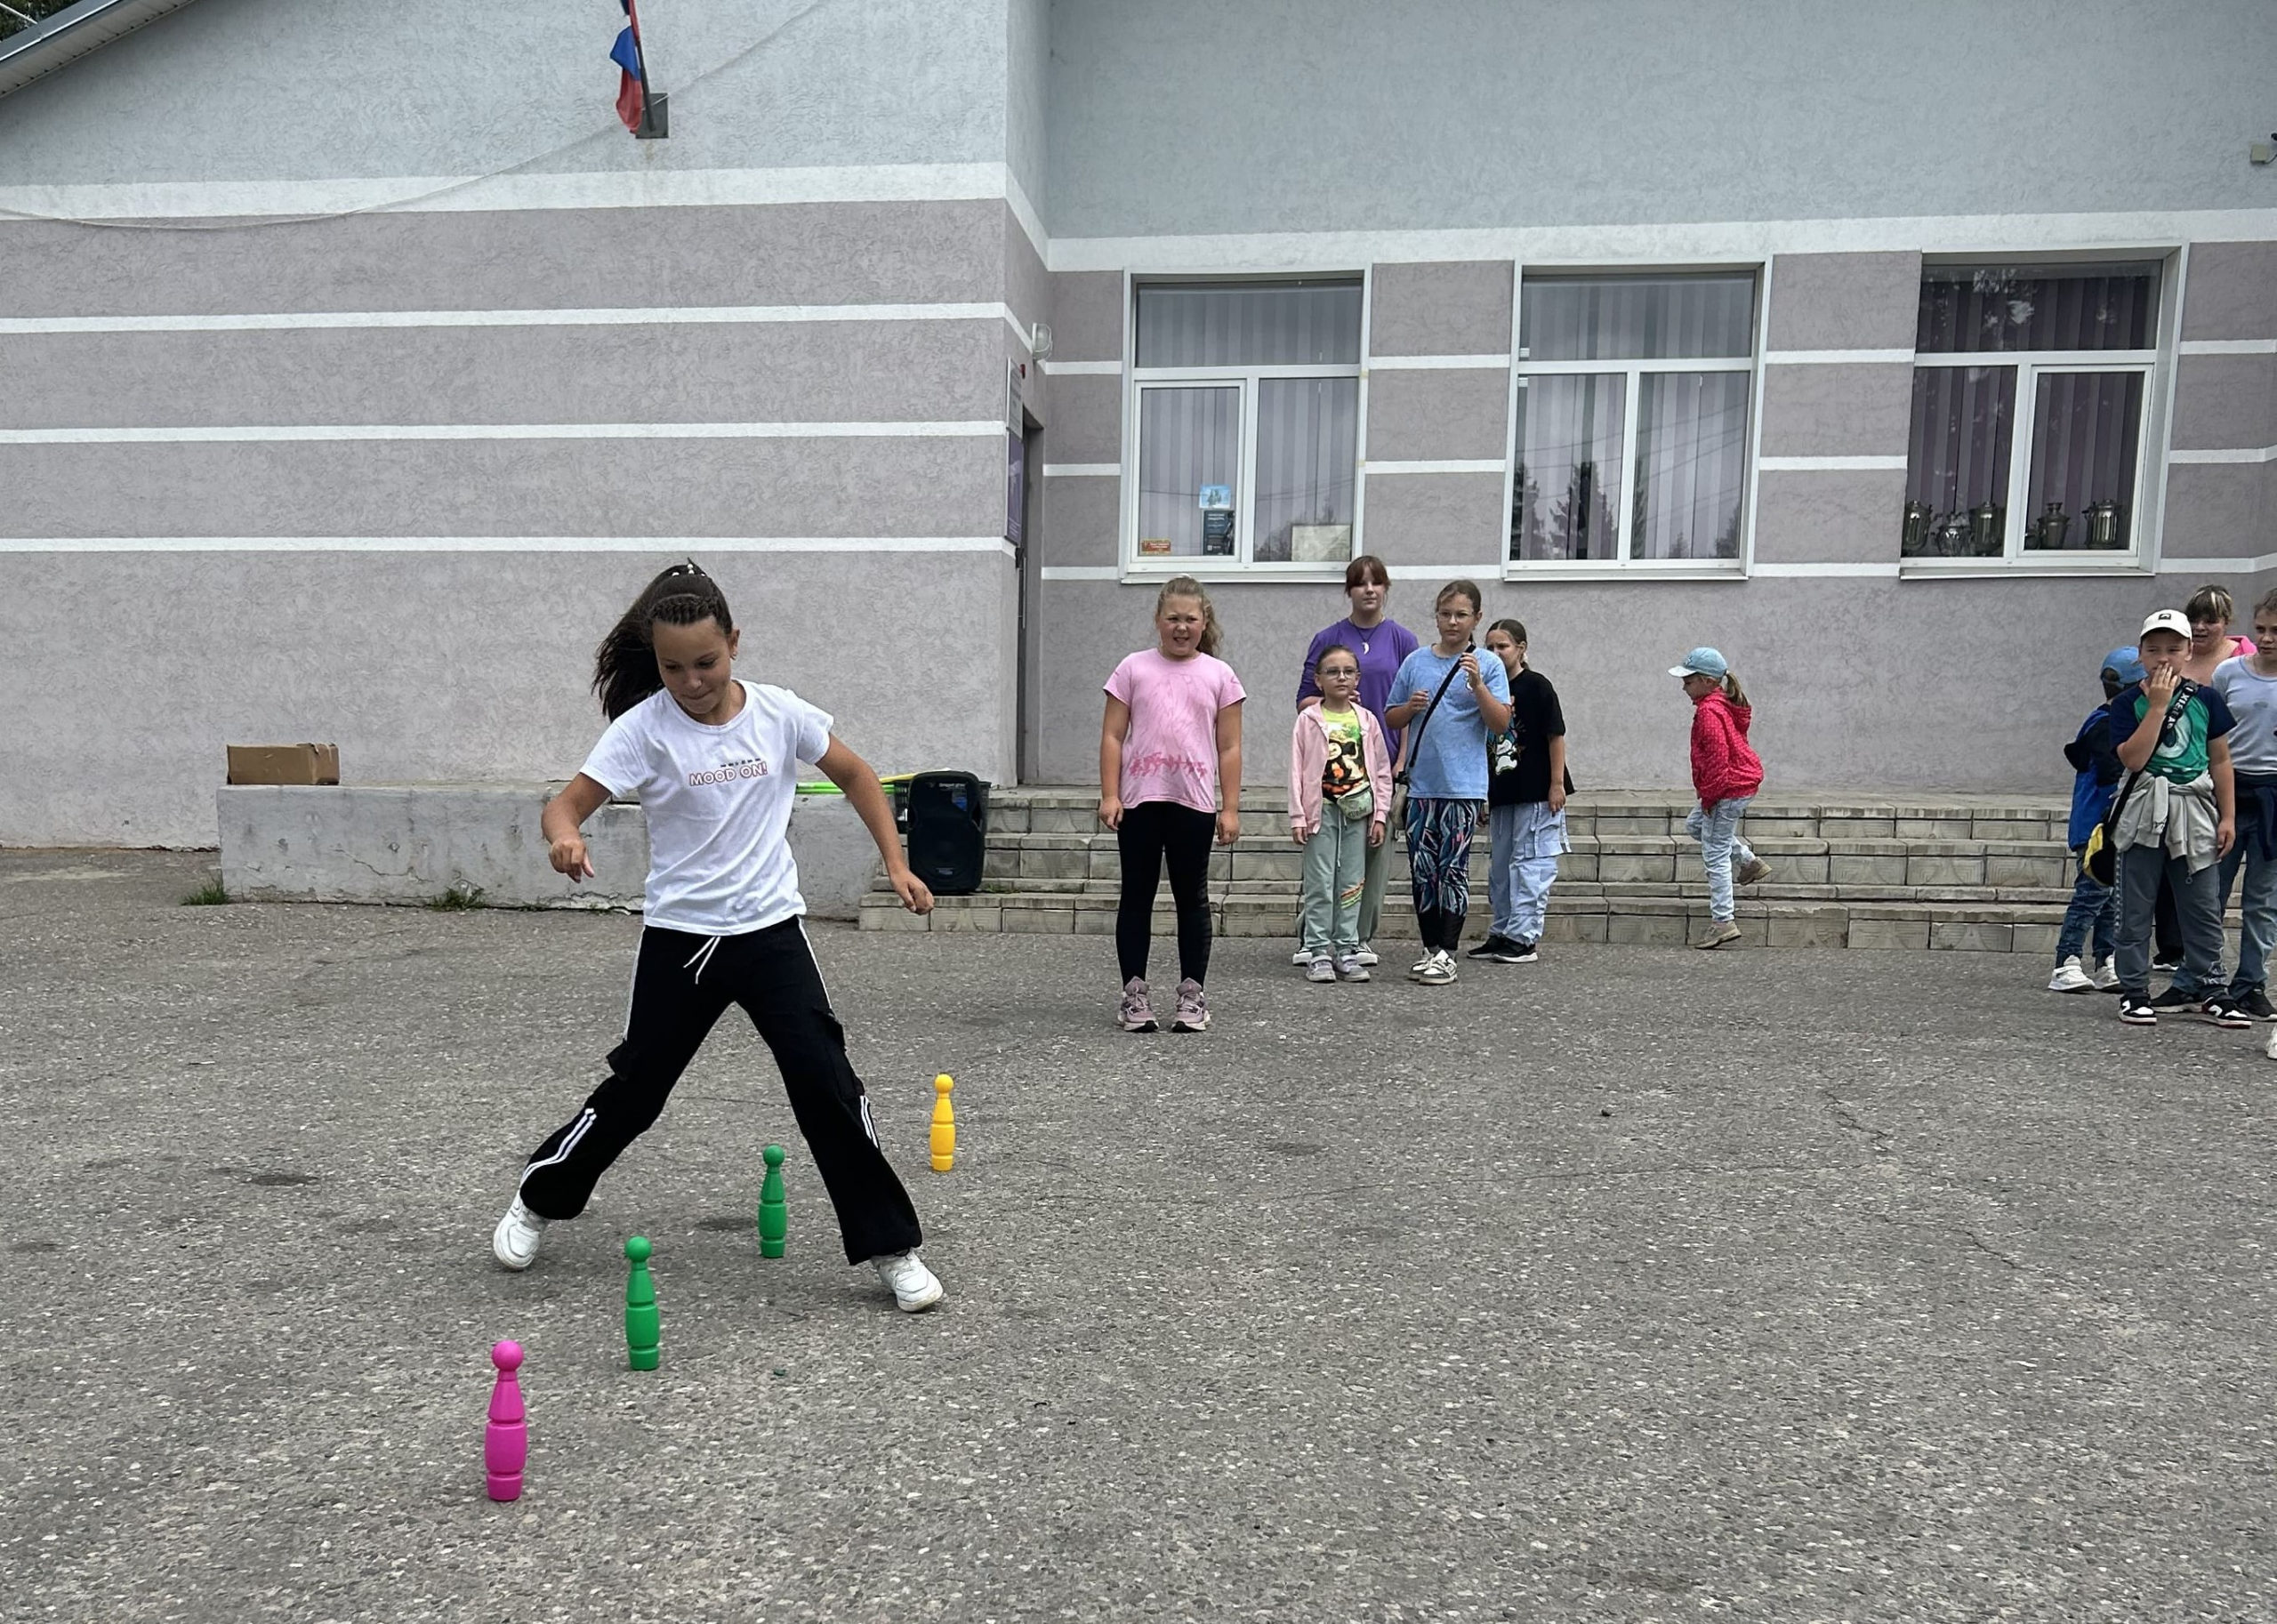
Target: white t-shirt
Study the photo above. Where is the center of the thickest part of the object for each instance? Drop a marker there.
(717, 801)
(2253, 702)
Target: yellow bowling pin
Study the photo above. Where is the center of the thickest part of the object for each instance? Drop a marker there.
(945, 1125)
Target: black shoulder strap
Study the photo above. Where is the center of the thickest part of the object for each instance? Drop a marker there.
(1416, 737)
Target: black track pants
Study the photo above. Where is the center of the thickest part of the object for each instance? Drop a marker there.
(681, 983)
(1155, 834)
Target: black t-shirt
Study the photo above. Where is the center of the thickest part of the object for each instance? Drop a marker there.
(1517, 759)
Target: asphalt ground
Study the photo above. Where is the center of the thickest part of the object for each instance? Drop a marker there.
(1638, 1284)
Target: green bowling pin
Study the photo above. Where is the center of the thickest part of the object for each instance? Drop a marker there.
(774, 1216)
(641, 1327)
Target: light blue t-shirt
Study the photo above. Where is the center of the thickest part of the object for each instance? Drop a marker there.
(2253, 701)
(1450, 754)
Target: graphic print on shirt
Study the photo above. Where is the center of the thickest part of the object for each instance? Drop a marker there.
(1346, 770)
(1506, 748)
(729, 772)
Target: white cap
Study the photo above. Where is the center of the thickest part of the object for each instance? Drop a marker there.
(2165, 620)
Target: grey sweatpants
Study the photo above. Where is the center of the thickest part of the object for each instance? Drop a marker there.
(2197, 900)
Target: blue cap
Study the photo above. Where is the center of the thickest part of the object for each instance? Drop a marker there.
(1701, 662)
(2124, 664)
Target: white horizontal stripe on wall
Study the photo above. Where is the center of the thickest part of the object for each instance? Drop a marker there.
(268, 434)
(1081, 470)
(1877, 570)
(506, 543)
(432, 194)
(2218, 567)
(2228, 346)
(1437, 363)
(1080, 369)
(1836, 357)
(625, 317)
(2240, 454)
(1447, 465)
(1158, 570)
(1596, 247)
(1819, 465)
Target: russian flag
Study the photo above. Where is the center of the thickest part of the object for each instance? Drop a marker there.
(633, 84)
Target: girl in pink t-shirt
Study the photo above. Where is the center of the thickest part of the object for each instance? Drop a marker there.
(1172, 740)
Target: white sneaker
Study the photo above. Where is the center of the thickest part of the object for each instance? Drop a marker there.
(515, 1241)
(915, 1287)
(1366, 955)
(1438, 970)
(1300, 956)
(2106, 977)
(1416, 969)
(2069, 977)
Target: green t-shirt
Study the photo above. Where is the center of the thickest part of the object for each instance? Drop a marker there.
(2186, 746)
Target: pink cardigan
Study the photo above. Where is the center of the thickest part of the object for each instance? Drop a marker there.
(1308, 758)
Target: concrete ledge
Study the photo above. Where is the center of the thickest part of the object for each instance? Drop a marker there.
(414, 842)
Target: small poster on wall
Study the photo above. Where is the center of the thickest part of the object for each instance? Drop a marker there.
(1154, 546)
(1217, 521)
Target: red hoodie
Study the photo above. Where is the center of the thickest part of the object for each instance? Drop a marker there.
(1724, 767)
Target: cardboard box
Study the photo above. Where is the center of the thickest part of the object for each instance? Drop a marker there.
(284, 764)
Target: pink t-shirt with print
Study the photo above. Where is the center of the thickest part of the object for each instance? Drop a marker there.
(1170, 752)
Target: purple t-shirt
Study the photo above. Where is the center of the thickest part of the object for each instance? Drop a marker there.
(1380, 649)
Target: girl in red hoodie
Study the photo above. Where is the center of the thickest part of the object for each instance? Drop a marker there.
(1726, 775)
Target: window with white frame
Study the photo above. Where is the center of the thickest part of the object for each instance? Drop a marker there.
(1631, 434)
(2031, 379)
(1246, 411)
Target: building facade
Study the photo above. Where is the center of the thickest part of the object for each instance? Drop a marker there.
(354, 383)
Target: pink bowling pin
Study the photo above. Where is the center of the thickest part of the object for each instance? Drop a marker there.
(506, 1441)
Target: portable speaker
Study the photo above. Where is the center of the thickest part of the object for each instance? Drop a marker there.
(948, 829)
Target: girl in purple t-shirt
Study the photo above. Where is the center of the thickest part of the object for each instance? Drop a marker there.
(1381, 643)
(1172, 740)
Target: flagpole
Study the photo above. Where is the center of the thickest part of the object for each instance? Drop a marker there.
(654, 121)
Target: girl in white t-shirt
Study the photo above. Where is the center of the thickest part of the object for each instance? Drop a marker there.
(714, 762)
(1170, 740)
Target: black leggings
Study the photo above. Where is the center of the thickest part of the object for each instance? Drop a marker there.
(1151, 831)
(681, 983)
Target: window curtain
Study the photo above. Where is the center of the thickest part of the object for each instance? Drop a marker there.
(1249, 324)
(2085, 429)
(1990, 309)
(1691, 465)
(1569, 467)
(1637, 318)
(1957, 460)
(1187, 438)
(1307, 444)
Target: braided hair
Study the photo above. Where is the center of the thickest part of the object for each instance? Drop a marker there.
(624, 666)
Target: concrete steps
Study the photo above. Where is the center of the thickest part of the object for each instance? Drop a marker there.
(1987, 873)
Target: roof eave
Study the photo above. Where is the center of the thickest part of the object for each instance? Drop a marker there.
(34, 52)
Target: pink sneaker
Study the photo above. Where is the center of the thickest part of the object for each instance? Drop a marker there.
(1193, 1009)
(1137, 1014)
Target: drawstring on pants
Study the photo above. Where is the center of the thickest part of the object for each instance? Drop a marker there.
(702, 957)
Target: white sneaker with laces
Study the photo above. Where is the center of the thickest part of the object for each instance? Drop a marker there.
(2069, 977)
(515, 1241)
(1367, 954)
(1438, 970)
(1301, 956)
(2106, 977)
(915, 1287)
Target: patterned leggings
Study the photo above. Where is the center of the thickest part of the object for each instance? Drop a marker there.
(1438, 863)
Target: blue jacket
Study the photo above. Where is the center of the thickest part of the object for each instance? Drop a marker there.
(2095, 761)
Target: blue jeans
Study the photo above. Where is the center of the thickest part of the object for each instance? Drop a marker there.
(1717, 831)
(2258, 934)
(1527, 838)
(2091, 922)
